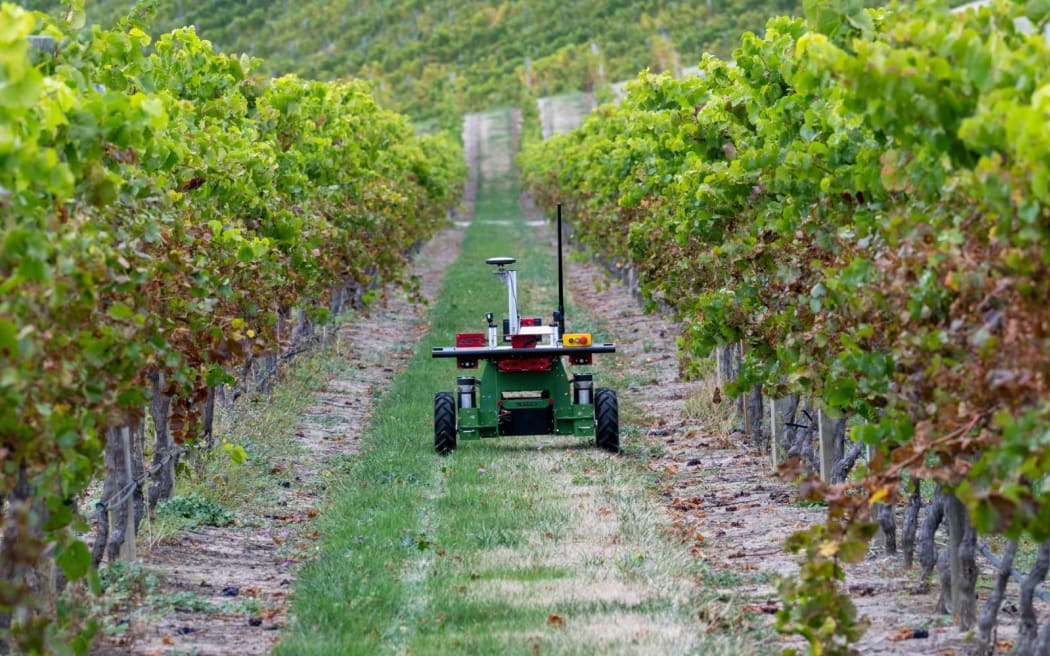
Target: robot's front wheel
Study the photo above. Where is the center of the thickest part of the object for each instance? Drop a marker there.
(444, 423)
(606, 420)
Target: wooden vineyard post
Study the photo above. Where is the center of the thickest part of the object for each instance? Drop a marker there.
(776, 428)
(878, 541)
(744, 405)
(128, 507)
(882, 540)
(746, 398)
(773, 457)
(49, 576)
(111, 520)
(747, 424)
(880, 535)
(826, 432)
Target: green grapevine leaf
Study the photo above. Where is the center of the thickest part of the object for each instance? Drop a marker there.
(74, 559)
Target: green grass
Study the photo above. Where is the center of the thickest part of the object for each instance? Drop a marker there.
(505, 546)
(380, 525)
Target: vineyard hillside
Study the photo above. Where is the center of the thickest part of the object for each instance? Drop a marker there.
(439, 59)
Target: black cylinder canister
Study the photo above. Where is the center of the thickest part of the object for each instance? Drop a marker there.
(582, 388)
(465, 391)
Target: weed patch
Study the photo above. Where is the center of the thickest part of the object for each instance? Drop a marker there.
(195, 510)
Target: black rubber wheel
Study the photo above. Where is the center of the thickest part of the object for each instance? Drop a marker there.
(606, 420)
(444, 422)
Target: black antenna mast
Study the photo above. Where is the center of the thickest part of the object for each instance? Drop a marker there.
(561, 280)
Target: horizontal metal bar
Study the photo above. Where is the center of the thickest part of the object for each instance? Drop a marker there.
(498, 353)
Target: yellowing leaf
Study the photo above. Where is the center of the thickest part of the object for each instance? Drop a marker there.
(880, 495)
(829, 548)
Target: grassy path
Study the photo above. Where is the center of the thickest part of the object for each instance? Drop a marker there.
(519, 545)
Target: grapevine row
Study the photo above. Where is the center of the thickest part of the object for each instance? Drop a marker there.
(163, 206)
(861, 198)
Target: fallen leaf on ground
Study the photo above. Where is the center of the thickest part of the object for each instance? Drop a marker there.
(905, 633)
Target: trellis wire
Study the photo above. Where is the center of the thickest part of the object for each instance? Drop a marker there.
(120, 497)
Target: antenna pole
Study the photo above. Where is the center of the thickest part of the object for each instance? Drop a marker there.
(561, 280)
